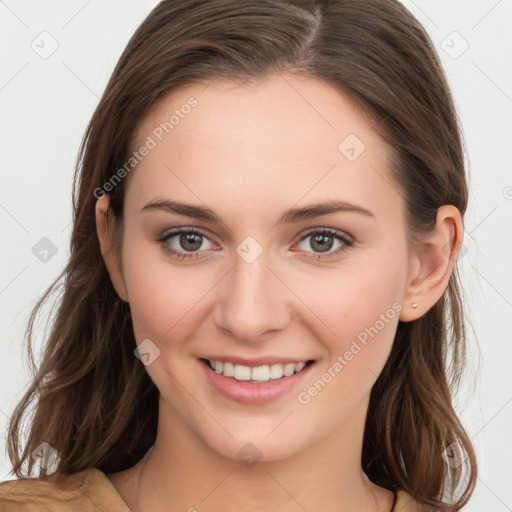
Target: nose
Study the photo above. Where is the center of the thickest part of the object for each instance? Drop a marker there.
(252, 301)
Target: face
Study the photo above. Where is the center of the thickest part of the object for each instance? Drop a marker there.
(263, 279)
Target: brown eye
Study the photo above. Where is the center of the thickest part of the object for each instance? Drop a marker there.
(184, 243)
(190, 241)
(322, 241)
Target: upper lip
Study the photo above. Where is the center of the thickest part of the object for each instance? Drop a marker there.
(257, 361)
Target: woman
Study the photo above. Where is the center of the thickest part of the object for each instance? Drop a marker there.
(261, 306)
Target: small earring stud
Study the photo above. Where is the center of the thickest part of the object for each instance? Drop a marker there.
(414, 305)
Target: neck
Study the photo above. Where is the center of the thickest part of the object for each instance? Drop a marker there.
(181, 472)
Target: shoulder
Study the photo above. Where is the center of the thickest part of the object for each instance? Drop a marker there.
(405, 502)
(86, 491)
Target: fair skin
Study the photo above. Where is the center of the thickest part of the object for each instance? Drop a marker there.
(249, 154)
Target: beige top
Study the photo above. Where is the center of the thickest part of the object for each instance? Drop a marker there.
(88, 491)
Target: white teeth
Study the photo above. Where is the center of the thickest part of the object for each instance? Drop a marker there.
(289, 369)
(299, 366)
(228, 369)
(261, 373)
(276, 371)
(256, 373)
(242, 372)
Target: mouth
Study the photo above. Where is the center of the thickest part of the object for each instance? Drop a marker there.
(256, 374)
(254, 385)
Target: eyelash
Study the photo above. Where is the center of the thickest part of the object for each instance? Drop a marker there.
(347, 242)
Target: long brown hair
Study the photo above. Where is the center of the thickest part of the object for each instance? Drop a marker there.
(96, 405)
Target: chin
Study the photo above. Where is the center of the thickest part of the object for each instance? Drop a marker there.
(250, 444)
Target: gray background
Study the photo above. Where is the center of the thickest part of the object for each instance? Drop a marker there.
(45, 104)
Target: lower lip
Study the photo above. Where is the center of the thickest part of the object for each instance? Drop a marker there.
(253, 394)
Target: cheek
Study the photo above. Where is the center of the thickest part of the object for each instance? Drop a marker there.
(356, 312)
(355, 356)
(163, 298)
(346, 301)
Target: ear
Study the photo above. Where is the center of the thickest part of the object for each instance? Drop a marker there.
(105, 230)
(434, 260)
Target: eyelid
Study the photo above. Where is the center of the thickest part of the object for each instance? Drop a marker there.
(185, 229)
(330, 231)
(188, 229)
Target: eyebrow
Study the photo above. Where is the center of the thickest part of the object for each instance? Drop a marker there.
(291, 215)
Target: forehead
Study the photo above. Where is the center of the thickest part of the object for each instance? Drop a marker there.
(277, 140)
(301, 107)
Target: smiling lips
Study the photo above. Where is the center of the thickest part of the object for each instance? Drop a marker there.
(256, 374)
(258, 383)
